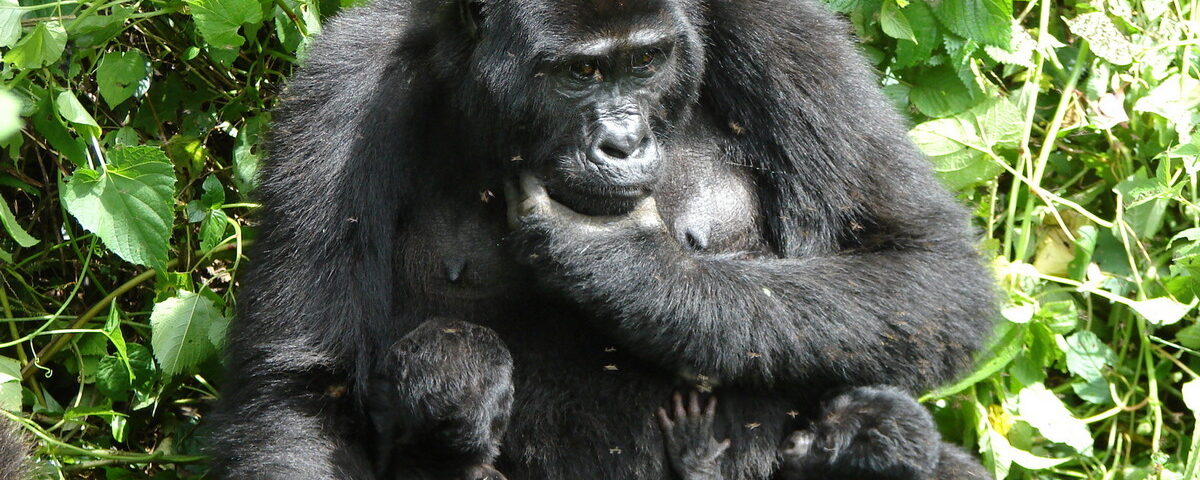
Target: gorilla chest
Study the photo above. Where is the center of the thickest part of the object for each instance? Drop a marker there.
(452, 259)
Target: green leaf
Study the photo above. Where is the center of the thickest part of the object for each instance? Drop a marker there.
(10, 384)
(113, 378)
(121, 74)
(1019, 51)
(985, 21)
(962, 147)
(938, 92)
(1042, 410)
(10, 22)
(72, 111)
(1191, 395)
(214, 192)
(926, 36)
(894, 23)
(1175, 99)
(181, 328)
(1087, 355)
(998, 356)
(1162, 310)
(129, 205)
(41, 47)
(219, 20)
(14, 229)
(212, 231)
(1105, 40)
(10, 114)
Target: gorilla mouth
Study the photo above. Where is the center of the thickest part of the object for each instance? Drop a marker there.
(609, 201)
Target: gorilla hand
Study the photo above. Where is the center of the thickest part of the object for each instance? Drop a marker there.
(693, 450)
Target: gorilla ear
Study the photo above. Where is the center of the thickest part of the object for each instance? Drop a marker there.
(471, 14)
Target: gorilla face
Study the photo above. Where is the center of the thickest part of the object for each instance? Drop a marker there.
(598, 101)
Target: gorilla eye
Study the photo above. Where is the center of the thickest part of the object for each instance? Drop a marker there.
(643, 63)
(584, 71)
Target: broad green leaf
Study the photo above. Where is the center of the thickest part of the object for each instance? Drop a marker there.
(926, 36)
(1044, 411)
(181, 329)
(112, 329)
(1105, 40)
(10, 22)
(938, 92)
(13, 228)
(72, 111)
(10, 114)
(1175, 99)
(894, 23)
(121, 74)
(984, 21)
(1087, 355)
(219, 20)
(10, 384)
(41, 47)
(962, 146)
(1162, 310)
(212, 231)
(113, 378)
(128, 205)
(214, 193)
(1019, 51)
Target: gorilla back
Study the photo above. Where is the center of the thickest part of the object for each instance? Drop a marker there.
(616, 272)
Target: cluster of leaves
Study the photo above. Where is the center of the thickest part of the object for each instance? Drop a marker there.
(129, 133)
(1072, 130)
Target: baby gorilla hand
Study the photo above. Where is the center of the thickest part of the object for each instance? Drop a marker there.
(691, 446)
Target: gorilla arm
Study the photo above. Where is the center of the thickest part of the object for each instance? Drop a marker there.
(906, 313)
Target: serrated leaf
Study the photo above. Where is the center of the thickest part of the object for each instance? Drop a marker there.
(113, 378)
(1176, 99)
(10, 22)
(181, 329)
(1042, 410)
(129, 205)
(42, 46)
(121, 74)
(961, 147)
(985, 21)
(894, 23)
(1105, 40)
(926, 36)
(938, 92)
(1019, 51)
(212, 231)
(219, 20)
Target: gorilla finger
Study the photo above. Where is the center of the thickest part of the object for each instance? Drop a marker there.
(711, 409)
(533, 187)
(664, 420)
(694, 404)
(680, 413)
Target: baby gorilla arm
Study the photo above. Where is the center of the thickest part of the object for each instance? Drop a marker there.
(440, 403)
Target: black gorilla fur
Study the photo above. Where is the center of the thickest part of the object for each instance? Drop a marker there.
(14, 452)
(795, 240)
(877, 433)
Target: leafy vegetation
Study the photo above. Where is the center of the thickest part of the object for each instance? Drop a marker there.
(130, 132)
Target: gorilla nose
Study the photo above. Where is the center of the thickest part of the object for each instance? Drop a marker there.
(627, 139)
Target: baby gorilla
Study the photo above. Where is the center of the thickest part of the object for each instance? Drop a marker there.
(441, 400)
(863, 433)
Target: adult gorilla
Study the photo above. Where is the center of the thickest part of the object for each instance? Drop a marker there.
(799, 241)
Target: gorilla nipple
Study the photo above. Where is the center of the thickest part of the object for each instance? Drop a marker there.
(454, 268)
(693, 236)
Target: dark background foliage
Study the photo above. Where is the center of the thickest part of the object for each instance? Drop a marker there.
(129, 134)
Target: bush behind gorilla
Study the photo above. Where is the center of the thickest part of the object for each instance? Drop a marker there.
(713, 194)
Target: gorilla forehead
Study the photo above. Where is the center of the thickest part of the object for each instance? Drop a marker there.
(559, 26)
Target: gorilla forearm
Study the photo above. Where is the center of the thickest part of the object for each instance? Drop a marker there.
(908, 317)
